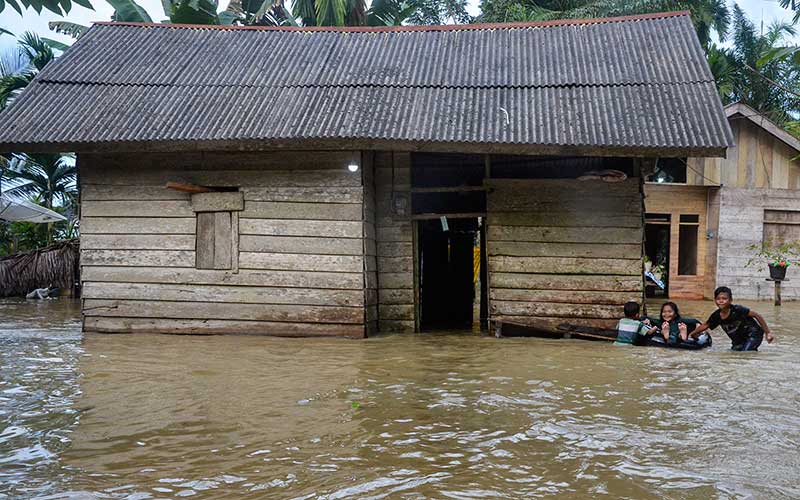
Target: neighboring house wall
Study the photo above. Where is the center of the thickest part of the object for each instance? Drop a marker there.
(741, 225)
(301, 265)
(563, 251)
(757, 160)
(679, 200)
(758, 174)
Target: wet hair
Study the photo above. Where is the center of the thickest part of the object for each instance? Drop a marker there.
(674, 307)
(631, 309)
(723, 289)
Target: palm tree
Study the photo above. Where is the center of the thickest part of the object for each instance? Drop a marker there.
(773, 87)
(45, 178)
(707, 15)
(20, 65)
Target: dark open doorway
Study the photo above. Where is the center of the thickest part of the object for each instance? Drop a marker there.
(449, 277)
(656, 250)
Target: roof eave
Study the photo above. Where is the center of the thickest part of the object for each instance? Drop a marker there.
(368, 144)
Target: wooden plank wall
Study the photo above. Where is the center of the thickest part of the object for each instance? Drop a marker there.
(563, 251)
(676, 200)
(395, 245)
(757, 160)
(370, 245)
(301, 245)
(741, 224)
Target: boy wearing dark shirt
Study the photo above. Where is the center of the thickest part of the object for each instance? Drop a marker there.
(745, 328)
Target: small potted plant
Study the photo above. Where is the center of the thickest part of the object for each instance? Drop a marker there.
(778, 256)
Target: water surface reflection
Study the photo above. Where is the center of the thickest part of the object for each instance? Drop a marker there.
(422, 416)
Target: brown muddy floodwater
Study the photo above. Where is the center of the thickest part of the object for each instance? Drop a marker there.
(401, 416)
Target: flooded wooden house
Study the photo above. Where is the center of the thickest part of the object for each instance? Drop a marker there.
(346, 181)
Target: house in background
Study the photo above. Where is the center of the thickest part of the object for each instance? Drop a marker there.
(702, 214)
(349, 171)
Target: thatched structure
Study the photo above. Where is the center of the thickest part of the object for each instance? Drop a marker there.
(55, 266)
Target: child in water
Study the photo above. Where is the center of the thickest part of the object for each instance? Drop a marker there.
(673, 328)
(630, 330)
(745, 328)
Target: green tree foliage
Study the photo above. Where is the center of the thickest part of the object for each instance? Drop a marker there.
(21, 64)
(46, 178)
(708, 15)
(60, 7)
(770, 87)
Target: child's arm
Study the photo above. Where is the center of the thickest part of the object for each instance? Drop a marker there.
(761, 321)
(700, 329)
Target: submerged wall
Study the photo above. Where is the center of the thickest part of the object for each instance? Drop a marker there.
(301, 245)
(563, 251)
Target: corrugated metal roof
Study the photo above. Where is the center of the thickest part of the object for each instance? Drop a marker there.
(622, 83)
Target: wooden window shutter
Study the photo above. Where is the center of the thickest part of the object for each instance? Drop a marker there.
(217, 243)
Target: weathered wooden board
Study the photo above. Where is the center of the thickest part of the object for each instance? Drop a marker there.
(396, 312)
(570, 216)
(144, 208)
(541, 249)
(304, 194)
(565, 265)
(191, 276)
(277, 160)
(567, 282)
(301, 262)
(205, 240)
(210, 310)
(567, 296)
(395, 264)
(395, 326)
(399, 233)
(101, 324)
(395, 280)
(396, 296)
(311, 211)
(222, 293)
(137, 242)
(143, 258)
(529, 203)
(552, 324)
(218, 202)
(555, 188)
(395, 249)
(98, 192)
(550, 309)
(330, 229)
(224, 178)
(565, 234)
(301, 244)
(223, 240)
(129, 225)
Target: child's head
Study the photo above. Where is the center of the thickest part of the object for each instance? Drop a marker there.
(669, 311)
(631, 310)
(723, 297)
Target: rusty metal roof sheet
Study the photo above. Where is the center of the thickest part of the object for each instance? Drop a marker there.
(623, 84)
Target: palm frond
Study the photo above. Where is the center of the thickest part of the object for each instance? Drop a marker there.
(67, 28)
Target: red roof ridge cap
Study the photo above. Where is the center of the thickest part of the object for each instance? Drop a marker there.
(389, 29)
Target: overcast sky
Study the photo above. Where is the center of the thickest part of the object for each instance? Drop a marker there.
(758, 10)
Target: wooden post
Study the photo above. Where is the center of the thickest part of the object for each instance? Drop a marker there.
(777, 290)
